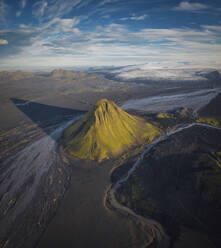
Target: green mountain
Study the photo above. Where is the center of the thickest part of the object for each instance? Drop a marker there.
(107, 131)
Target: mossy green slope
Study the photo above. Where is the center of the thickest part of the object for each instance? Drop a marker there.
(107, 131)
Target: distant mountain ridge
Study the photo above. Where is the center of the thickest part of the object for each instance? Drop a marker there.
(15, 75)
(107, 131)
(67, 74)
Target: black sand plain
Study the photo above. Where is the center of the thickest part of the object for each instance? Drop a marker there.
(79, 218)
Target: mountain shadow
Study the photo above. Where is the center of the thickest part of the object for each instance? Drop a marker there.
(45, 115)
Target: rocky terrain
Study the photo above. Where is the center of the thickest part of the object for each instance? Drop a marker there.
(15, 75)
(44, 190)
(178, 184)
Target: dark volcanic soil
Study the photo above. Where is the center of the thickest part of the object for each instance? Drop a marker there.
(213, 109)
(179, 184)
(83, 220)
(34, 177)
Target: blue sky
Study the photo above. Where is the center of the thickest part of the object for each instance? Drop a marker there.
(65, 33)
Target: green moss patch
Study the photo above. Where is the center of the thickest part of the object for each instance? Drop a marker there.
(107, 131)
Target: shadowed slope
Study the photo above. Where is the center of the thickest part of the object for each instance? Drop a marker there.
(212, 109)
(42, 114)
(178, 183)
(106, 131)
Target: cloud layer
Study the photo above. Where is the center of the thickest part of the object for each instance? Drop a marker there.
(82, 32)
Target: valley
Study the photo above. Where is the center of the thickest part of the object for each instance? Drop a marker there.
(48, 193)
(110, 124)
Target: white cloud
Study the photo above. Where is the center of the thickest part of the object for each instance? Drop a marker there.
(60, 25)
(60, 41)
(18, 13)
(39, 8)
(3, 42)
(124, 18)
(23, 26)
(47, 10)
(213, 28)
(23, 3)
(138, 18)
(67, 25)
(22, 6)
(134, 18)
(106, 2)
(106, 16)
(187, 6)
(69, 22)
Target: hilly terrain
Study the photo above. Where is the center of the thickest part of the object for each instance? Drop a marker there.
(107, 131)
(212, 110)
(67, 74)
(186, 175)
(15, 75)
(178, 184)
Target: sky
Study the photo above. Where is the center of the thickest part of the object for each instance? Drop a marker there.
(37, 34)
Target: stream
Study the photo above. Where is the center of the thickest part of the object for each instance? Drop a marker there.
(159, 234)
